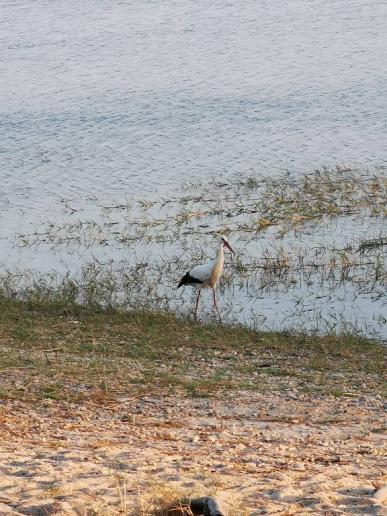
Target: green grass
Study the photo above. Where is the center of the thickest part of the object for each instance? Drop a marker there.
(59, 351)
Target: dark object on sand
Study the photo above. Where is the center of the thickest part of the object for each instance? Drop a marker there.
(206, 506)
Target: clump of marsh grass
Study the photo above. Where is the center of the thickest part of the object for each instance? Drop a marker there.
(249, 205)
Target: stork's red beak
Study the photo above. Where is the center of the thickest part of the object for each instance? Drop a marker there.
(228, 246)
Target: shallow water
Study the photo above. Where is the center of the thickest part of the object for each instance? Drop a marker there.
(102, 102)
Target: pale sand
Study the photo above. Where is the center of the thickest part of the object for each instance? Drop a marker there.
(279, 453)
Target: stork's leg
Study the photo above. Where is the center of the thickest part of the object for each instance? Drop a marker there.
(196, 305)
(215, 303)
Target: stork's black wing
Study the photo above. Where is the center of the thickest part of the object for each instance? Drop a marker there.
(188, 280)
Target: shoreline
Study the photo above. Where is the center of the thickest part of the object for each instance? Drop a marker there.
(117, 413)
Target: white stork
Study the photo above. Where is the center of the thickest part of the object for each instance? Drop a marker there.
(207, 274)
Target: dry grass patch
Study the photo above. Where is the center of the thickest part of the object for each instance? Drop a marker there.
(73, 353)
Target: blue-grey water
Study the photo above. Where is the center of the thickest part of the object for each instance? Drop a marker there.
(111, 98)
(102, 101)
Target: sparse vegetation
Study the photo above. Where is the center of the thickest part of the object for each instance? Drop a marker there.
(241, 206)
(55, 354)
(68, 352)
(272, 223)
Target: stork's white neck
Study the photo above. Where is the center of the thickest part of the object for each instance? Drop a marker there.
(218, 267)
(220, 252)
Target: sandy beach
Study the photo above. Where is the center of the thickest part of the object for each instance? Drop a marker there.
(278, 453)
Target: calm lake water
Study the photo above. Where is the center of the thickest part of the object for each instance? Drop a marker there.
(102, 101)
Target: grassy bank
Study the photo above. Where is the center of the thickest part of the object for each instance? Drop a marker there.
(50, 350)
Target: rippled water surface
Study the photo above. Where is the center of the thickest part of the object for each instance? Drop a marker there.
(102, 102)
(108, 99)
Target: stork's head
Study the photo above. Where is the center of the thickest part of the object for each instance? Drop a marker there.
(226, 243)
